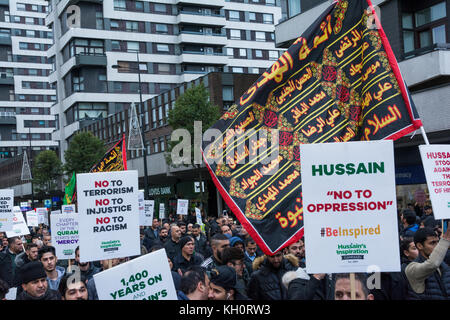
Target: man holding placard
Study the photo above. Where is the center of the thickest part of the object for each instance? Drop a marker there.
(349, 207)
(428, 275)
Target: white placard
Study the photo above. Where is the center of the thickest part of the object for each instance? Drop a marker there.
(182, 206)
(55, 212)
(145, 278)
(141, 203)
(42, 215)
(12, 294)
(147, 215)
(436, 164)
(19, 227)
(349, 207)
(68, 208)
(6, 209)
(198, 216)
(109, 215)
(162, 211)
(32, 219)
(65, 234)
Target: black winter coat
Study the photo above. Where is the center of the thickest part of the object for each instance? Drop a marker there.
(49, 295)
(265, 281)
(7, 273)
(437, 287)
(312, 289)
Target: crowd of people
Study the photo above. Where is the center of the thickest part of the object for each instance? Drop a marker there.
(219, 260)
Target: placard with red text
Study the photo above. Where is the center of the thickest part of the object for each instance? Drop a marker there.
(436, 164)
(349, 206)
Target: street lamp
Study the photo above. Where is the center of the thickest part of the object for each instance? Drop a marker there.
(142, 133)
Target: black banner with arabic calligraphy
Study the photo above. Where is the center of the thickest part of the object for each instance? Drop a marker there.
(338, 82)
(113, 160)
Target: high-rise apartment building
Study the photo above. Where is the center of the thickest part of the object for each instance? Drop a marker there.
(101, 48)
(25, 92)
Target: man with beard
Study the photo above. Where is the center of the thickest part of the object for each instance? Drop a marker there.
(218, 243)
(30, 254)
(72, 287)
(298, 250)
(265, 282)
(34, 283)
(87, 268)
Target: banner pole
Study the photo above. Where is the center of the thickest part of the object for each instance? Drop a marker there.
(352, 286)
(424, 135)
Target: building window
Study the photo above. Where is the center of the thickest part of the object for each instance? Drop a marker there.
(227, 93)
(252, 16)
(253, 70)
(424, 28)
(161, 28)
(21, 7)
(268, 18)
(270, 2)
(294, 7)
(120, 5)
(160, 7)
(162, 47)
(243, 52)
(234, 15)
(155, 146)
(238, 70)
(162, 144)
(273, 55)
(131, 26)
(154, 119)
(132, 46)
(258, 54)
(163, 68)
(235, 34)
(99, 20)
(430, 14)
(86, 47)
(260, 36)
(230, 52)
(115, 45)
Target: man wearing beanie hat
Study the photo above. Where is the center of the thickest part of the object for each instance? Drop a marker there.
(222, 284)
(186, 258)
(34, 283)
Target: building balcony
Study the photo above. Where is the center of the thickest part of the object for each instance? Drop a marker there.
(5, 41)
(203, 3)
(91, 60)
(203, 58)
(202, 38)
(8, 118)
(6, 80)
(204, 19)
(432, 63)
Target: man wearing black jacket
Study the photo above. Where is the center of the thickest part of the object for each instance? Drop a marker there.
(8, 261)
(265, 282)
(34, 283)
